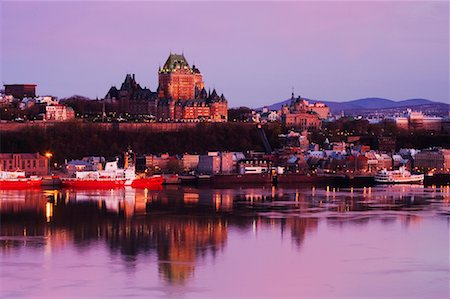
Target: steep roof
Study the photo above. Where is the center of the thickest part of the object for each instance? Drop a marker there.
(130, 83)
(112, 93)
(195, 69)
(203, 94)
(175, 61)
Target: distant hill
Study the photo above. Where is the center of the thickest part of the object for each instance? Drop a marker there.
(76, 97)
(369, 103)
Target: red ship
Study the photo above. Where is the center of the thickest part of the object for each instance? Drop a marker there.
(17, 180)
(147, 182)
(90, 183)
(111, 177)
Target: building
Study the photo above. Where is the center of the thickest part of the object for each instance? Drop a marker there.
(32, 164)
(78, 165)
(302, 105)
(132, 98)
(177, 80)
(376, 161)
(433, 160)
(302, 121)
(216, 162)
(47, 100)
(254, 166)
(157, 162)
(182, 95)
(21, 91)
(387, 143)
(303, 115)
(417, 121)
(190, 162)
(59, 113)
(227, 164)
(209, 164)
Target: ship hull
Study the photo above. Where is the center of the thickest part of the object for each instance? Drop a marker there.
(20, 183)
(147, 182)
(93, 183)
(411, 180)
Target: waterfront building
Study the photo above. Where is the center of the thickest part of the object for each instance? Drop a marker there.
(376, 161)
(190, 162)
(90, 163)
(433, 160)
(31, 164)
(254, 166)
(78, 165)
(20, 91)
(209, 164)
(216, 162)
(59, 113)
(157, 162)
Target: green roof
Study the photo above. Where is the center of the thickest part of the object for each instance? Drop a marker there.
(175, 61)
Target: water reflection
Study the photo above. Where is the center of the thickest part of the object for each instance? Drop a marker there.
(184, 226)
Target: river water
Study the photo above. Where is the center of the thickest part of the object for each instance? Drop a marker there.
(186, 242)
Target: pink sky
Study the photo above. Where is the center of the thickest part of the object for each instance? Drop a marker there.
(252, 52)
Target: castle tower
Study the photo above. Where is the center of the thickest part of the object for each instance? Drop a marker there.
(177, 80)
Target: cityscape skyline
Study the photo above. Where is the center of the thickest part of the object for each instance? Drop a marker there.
(86, 58)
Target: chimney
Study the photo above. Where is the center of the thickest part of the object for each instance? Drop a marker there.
(133, 76)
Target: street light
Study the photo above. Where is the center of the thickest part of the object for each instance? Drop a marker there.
(48, 155)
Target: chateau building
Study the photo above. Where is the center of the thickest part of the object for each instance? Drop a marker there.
(132, 98)
(181, 95)
(178, 81)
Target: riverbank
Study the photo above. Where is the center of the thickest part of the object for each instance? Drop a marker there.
(292, 179)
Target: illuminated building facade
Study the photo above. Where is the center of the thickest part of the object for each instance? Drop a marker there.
(32, 164)
(417, 121)
(21, 91)
(303, 115)
(132, 98)
(59, 113)
(182, 95)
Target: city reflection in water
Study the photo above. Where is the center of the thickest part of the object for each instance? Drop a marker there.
(185, 226)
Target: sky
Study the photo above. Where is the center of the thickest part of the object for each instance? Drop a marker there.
(252, 52)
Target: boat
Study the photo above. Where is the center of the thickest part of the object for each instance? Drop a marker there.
(204, 178)
(111, 177)
(187, 179)
(94, 179)
(145, 182)
(18, 180)
(171, 179)
(398, 176)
